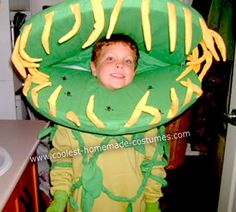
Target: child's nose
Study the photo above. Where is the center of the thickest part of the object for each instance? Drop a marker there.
(119, 64)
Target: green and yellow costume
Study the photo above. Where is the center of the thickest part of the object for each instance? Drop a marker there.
(52, 54)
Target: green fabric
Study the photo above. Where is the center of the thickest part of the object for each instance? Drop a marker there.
(152, 207)
(59, 202)
(129, 208)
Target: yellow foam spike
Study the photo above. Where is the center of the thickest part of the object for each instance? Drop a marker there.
(220, 43)
(188, 30)
(52, 101)
(99, 17)
(91, 115)
(145, 11)
(17, 61)
(35, 90)
(45, 39)
(27, 85)
(208, 39)
(114, 17)
(75, 8)
(172, 25)
(142, 107)
(73, 117)
(23, 41)
(174, 105)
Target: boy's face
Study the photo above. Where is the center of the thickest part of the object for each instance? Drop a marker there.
(115, 66)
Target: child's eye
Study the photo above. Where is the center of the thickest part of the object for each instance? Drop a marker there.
(128, 61)
(110, 59)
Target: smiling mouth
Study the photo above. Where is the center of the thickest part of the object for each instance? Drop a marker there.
(117, 75)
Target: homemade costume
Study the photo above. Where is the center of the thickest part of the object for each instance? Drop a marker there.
(52, 54)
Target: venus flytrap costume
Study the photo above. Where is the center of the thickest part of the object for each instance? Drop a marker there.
(52, 54)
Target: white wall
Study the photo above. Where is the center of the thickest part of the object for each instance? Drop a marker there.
(36, 5)
(7, 95)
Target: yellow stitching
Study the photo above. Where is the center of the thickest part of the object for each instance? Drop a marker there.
(27, 85)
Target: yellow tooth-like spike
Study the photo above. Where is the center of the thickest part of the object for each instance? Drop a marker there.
(174, 105)
(23, 41)
(36, 72)
(188, 29)
(27, 85)
(75, 8)
(145, 11)
(114, 17)
(206, 66)
(99, 18)
(142, 107)
(195, 87)
(73, 117)
(172, 25)
(16, 60)
(220, 43)
(45, 39)
(184, 73)
(208, 39)
(91, 115)
(52, 101)
(154, 112)
(189, 92)
(35, 90)
(39, 80)
(138, 110)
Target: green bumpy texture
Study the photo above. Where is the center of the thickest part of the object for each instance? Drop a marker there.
(69, 65)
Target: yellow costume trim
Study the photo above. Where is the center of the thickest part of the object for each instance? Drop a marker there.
(99, 17)
(23, 40)
(27, 85)
(114, 17)
(91, 115)
(188, 30)
(52, 101)
(75, 8)
(172, 25)
(17, 60)
(207, 37)
(195, 88)
(220, 43)
(142, 107)
(36, 72)
(35, 90)
(45, 39)
(73, 117)
(175, 104)
(145, 10)
(184, 73)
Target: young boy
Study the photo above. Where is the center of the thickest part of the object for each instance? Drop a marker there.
(111, 180)
(114, 61)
